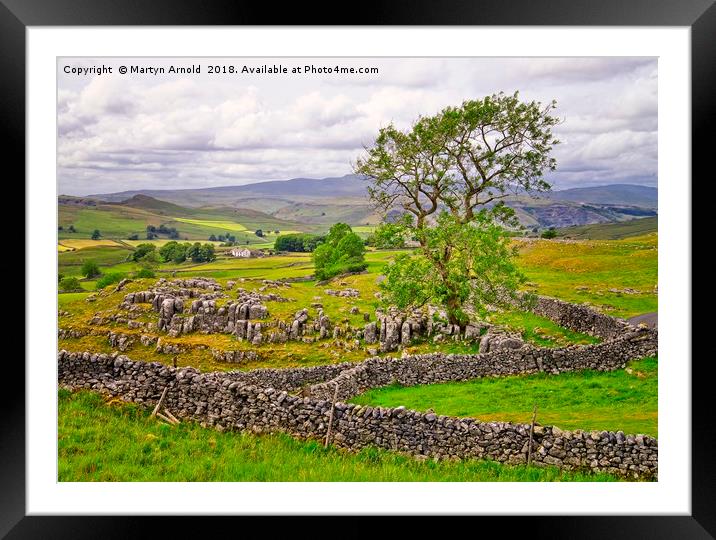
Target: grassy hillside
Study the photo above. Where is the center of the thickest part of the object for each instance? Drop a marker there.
(121, 220)
(150, 451)
(329, 213)
(623, 400)
(325, 201)
(535, 329)
(618, 277)
(612, 231)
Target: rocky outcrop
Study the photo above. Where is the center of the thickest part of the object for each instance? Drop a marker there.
(347, 292)
(122, 342)
(235, 357)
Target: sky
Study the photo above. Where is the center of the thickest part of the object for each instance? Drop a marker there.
(156, 130)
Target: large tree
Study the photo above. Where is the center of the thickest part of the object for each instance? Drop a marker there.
(448, 173)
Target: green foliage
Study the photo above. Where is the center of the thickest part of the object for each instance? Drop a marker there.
(297, 242)
(173, 252)
(145, 272)
(109, 279)
(624, 400)
(259, 233)
(207, 253)
(96, 235)
(90, 450)
(343, 251)
(443, 171)
(391, 235)
(178, 253)
(133, 236)
(458, 264)
(70, 284)
(142, 251)
(90, 269)
(549, 233)
(212, 238)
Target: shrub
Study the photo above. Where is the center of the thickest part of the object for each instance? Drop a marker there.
(145, 273)
(109, 279)
(142, 250)
(90, 269)
(70, 284)
(549, 233)
(343, 251)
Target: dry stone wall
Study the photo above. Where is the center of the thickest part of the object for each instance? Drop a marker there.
(437, 367)
(260, 400)
(224, 402)
(580, 318)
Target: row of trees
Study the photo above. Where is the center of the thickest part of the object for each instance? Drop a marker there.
(154, 232)
(298, 242)
(179, 252)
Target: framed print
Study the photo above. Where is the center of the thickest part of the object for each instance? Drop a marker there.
(407, 268)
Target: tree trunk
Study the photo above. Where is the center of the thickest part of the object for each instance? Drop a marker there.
(453, 305)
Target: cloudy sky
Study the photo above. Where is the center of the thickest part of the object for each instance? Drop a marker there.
(168, 131)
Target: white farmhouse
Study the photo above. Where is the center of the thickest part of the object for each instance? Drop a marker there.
(241, 252)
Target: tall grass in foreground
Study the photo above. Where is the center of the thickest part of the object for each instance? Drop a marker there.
(120, 442)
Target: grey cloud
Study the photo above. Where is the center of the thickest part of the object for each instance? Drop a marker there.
(149, 132)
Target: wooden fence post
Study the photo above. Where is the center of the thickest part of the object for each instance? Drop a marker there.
(160, 402)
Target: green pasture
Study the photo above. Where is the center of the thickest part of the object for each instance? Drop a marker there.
(618, 277)
(150, 451)
(623, 400)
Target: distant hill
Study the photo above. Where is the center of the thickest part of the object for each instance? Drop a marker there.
(615, 194)
(124, 219)
(612, 231)
(350, 186)
(322, 202)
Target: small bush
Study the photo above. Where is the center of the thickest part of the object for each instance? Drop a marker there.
(90, 269)
(549, 233)
(70, 284)
(109, 279)
(145, 273)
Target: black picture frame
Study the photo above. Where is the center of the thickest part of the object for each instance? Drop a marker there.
(699, 15)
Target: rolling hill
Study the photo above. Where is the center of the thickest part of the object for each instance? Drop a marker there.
(318, 203)
(120, 220)
(611, 231)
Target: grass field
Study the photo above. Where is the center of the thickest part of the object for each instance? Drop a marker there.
(575, 271)
(149, 451)
(230, 226)
(109, 258)
(618, 277)
(612, 231)
(82, 243)
(536, 329)
(119, 221)
(623, 400)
